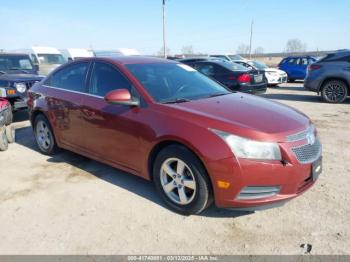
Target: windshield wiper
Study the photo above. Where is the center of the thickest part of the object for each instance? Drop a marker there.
(176, 101)
(19, 69)
(217, 94)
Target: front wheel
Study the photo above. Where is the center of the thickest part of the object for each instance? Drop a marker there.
(10, 133)
(182, 181)
(334, 91)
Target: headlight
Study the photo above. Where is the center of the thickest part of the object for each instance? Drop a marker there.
(272, 73)
(250, 149)
(21, 87)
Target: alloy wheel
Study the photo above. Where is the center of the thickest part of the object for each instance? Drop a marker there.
(43, 135)
(178, 181)
(335, 91)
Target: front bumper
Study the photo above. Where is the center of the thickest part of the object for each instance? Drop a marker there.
(290, 177)
(17, 100)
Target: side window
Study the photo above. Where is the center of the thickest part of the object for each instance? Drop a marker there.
(206, 69)
(106, 78)
(304, 61)
(71, 77)
(292, 61)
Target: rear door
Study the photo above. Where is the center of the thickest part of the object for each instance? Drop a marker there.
(303, 64)
(64, 93)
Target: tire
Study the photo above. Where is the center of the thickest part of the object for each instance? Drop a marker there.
(290, 80)
(3, 140)
(192, 183)
(44, 137)
(10, 133)
(334, 91)
(9, 116)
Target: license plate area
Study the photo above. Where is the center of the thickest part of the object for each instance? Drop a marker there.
(258, 78)
(316, 169)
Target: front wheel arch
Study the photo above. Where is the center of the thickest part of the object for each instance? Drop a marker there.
(163, 144)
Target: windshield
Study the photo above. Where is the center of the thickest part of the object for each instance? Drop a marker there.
(10, 62)
(259, 65)
(235, 57)
(51, 59)
(174, 82)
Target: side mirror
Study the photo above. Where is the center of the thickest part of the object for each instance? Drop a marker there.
(121, 97)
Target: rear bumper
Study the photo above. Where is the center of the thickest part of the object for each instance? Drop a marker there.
(254, 89)
(292, 180)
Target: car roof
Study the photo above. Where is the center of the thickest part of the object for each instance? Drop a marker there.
(299, 56)
(133, 60)
(13, 54)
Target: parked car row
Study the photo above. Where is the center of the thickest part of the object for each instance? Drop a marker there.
(234, 76)
(199, 141)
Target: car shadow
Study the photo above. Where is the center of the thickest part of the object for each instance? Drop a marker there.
(299, 98)
(134, 184)
(297, 88)
(294, 97)
(20, 116)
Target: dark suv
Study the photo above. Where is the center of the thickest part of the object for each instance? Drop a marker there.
(330, 76)
(17, 75)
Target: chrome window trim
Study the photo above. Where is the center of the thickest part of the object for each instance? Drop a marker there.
(72, 91)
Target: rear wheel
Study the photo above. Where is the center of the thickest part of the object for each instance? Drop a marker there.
(44, 136)
(291, 80)
(10, 133)
(3, 140)
(334, 91)
(181, 180)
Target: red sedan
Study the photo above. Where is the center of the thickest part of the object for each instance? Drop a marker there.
(164, 121)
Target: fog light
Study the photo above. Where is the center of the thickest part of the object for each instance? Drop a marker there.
(257, 192)
(223, 184)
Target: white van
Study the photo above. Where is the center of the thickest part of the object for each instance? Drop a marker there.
(76, 53)
(48, 58)
(118, 52)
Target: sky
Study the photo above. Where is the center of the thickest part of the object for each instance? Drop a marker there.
(209, 26)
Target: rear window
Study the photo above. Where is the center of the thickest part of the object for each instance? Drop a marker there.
(336, 58)
(234, 66)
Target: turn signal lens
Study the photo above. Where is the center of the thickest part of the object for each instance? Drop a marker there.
(223, 184)
(11, 92)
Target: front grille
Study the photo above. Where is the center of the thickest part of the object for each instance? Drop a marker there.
(307, 154)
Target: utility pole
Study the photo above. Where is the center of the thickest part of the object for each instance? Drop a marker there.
(251, 39)
(164, 32)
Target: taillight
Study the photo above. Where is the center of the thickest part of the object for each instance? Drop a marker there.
(244, 78)
(314, 67)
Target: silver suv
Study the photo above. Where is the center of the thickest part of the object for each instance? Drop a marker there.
(330, 77)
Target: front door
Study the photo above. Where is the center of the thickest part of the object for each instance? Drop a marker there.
(111, 131)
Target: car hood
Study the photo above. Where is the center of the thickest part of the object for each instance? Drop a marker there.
(246, 115)
(20, 77)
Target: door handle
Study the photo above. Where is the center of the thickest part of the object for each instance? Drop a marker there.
(88, 112)
(347, 68)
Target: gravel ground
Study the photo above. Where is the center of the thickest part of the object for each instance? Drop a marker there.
(68, 204)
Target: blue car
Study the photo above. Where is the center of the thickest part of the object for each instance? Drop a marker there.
(296, 66)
